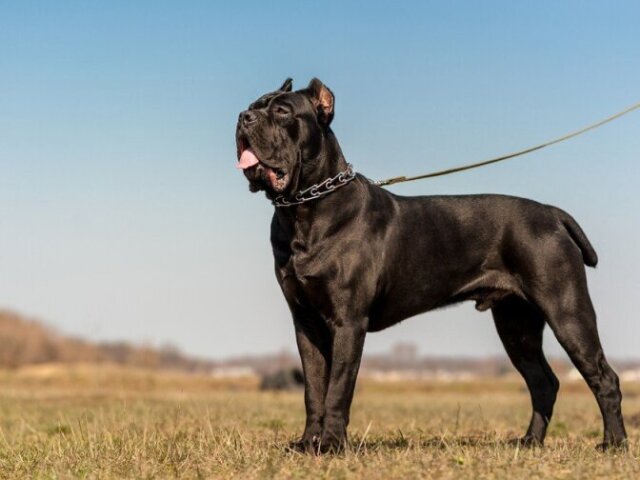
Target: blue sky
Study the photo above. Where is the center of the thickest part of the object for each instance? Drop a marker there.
(122, 215)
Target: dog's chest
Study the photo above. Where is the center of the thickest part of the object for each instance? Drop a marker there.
(302, 273)
(298, 266)
(296, 250)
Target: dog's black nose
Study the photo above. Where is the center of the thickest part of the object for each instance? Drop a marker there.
(248, 117)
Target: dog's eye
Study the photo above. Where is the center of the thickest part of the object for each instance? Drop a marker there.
(281, 111)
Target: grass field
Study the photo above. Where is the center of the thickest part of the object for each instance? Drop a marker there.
(108, 423)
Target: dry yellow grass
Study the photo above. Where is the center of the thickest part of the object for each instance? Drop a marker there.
(116, 424)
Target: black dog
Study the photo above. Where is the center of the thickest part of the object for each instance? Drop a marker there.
(352, 258)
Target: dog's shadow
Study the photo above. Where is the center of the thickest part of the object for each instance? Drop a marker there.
(441, 443)
(435, 442)
(401, 443)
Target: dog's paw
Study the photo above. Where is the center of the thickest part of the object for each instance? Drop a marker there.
(528, 441)
(614, 446)
(333, 440)
(332, 444)
(306, 445)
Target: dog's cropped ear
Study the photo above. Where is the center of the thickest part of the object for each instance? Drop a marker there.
(286, 86)
(323, 99)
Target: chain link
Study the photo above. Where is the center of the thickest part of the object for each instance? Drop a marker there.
(318, 190)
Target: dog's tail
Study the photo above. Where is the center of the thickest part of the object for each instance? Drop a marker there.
(578, 236)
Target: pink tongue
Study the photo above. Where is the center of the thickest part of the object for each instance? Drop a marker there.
(247, 160)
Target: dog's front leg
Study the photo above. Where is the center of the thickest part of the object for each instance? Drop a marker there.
(346, 352)
(314, 346)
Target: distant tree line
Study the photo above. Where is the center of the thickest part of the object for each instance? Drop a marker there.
(25, 341)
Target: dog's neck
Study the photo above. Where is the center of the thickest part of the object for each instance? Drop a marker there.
(329, 163)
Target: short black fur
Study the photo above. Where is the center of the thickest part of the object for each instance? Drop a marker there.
(362, 259)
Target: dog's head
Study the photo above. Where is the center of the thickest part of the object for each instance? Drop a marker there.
(280, 132)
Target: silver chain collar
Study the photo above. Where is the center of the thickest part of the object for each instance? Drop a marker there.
(318, 190)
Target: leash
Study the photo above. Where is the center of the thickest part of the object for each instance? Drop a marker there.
(461, 168)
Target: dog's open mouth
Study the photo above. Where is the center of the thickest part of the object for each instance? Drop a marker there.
(256, 170)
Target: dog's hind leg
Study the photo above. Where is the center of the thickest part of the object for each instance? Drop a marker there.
(569, 312)
(520, 326)
(576, 330)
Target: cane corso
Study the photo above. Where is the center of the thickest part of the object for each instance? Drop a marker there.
(352, 258)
